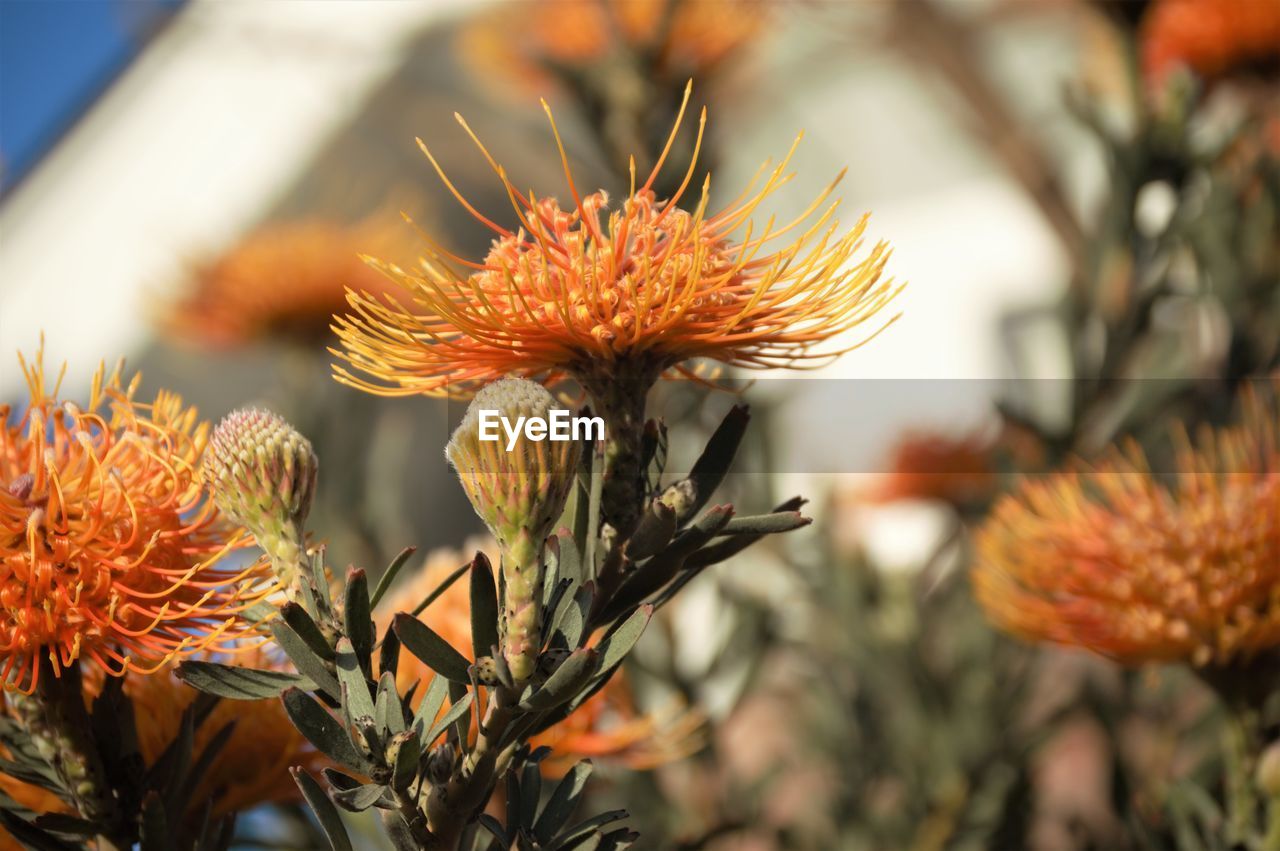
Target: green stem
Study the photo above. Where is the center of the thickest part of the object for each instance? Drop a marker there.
(1243, 747)
(521, 621)
(449, 807)
(621, 401)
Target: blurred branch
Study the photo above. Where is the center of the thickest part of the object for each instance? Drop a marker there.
(941, 41)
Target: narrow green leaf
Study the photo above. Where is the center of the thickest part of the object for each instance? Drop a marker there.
(63, 823)
(455, 712)
(593, 508)
(420, 640)
(357, 702)
(237, 683)
(182, 799)
(568, 556)
(564, 800)
(484, 607)
(359, 799)
(304, 659)
(564, 682)
(31, 836)
(495, 829)
(387, 710)
(389, 655)
(429, 706)
(582, 828)
(555, 601)
(461, 724)
(618, 643)
(408, 753)
(444, 585)
(654, 532)
(358, 618)
(530, 794)
(714, 462)
(154, 835)
(303, 624)
(572, 619)
(323, 730)
(390, 574)
(320, 580)
(326, 813)
(766, 524)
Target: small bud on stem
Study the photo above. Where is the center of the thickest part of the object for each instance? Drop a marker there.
(262, 473)
(519, 494)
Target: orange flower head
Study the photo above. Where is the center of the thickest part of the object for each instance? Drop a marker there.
(599, 290)
(108, 549)
(1210, 37)
(281, 281)
(926, 466)
(608, 725)
(678, 39)
(1111, 559)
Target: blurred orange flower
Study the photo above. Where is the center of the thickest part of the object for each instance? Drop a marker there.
(1111, 559)
(960, 471)
(609, 725)
(1209, 37)
(282, 280)
(108, 549)
(637, 289)
(678, 39)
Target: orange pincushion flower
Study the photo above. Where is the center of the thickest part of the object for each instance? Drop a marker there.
(957, 470)
(1112, 560)
(108, 550)
(608, 725)
(682, 38)
(282, 280)
(1208, 36)
(595, 292)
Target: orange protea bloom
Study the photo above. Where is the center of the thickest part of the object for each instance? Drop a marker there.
(627, 291)
(1111, 559)
(678, 38)
(282, 280)
(108, 549)
(609, 725)
(1208, 36)
(927, 466)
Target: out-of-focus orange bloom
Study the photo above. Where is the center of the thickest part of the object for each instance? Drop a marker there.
(1111, 559)
(960, 471)
(1210, 37)
(281, 281)
(108, 549)
(676, 39)
(597, 292)
(609, 725)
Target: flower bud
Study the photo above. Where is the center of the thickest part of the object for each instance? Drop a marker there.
(519, 493)
(262, 473)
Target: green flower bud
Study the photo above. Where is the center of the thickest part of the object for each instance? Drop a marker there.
(262, 474)
(519, 487)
